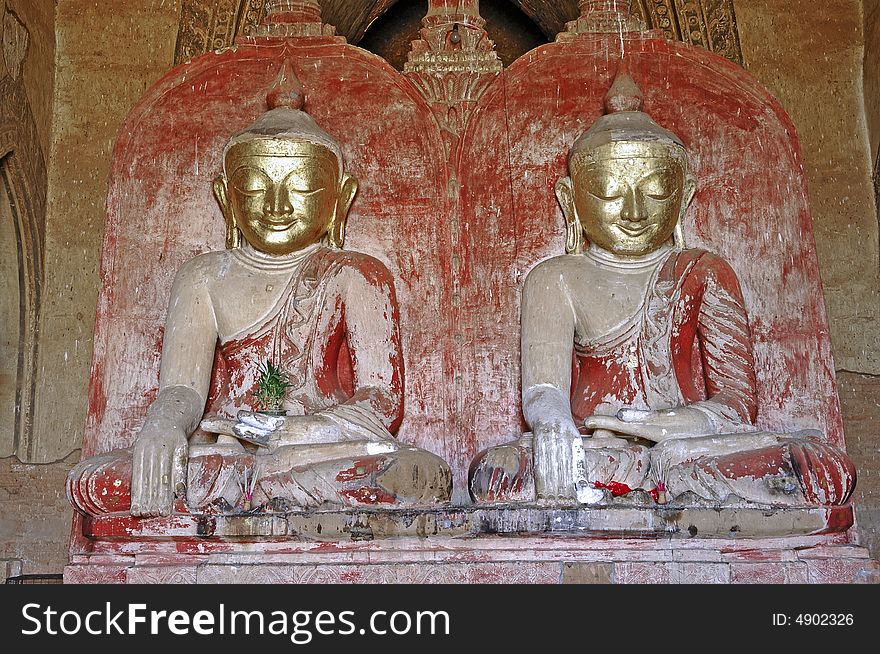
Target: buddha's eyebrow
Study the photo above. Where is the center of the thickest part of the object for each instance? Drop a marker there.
(245, 166)
(305, 173)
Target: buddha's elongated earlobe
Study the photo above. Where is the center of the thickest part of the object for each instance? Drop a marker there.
(347, 190)
(678, 237)
(690, 190)
(574, 237)
(574, 232)
(233, 235)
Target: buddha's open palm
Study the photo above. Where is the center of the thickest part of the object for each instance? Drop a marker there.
(656, 426)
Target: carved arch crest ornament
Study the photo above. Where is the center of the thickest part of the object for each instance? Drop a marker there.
(207, 25)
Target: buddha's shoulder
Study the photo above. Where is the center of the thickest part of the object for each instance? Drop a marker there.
(705, 261)
(555, 268)
(206, 266)
(348, 264)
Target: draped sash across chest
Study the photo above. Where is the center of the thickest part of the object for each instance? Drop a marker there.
(287, 336)
(632, 366)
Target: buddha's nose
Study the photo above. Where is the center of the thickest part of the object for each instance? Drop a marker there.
(278, 202)
(633, 208)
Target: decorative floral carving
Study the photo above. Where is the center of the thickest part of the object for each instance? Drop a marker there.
(206, 25)
(213, 24)
(452, 64)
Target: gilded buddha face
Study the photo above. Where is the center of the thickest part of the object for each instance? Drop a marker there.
(284, 195)
(627, 196)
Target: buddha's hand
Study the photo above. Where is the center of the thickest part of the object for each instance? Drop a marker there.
(158, 470)
(656, 426)
(274, 431)
(554, 458)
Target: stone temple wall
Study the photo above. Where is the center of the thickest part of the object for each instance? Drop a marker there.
(823, 64)
(817, 62)
(101, 62)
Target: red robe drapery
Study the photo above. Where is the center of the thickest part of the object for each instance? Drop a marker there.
(689, 344)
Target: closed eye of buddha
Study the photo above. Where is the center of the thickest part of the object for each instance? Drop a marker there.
(308, 193)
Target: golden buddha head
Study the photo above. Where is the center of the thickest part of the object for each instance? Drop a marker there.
(283, 186)
(628, 184)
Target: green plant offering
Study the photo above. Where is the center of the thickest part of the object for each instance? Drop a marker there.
(271, 387)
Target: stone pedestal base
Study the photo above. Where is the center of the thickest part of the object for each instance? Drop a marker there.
(497, 545)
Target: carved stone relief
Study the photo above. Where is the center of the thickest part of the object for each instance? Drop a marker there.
(213, 24)
(15, 43)
(710, 24)
(23, 179)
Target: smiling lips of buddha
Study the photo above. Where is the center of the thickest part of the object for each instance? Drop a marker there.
(633, 231)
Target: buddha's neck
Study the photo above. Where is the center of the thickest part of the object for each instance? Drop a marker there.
(259, 260)
(606, 259)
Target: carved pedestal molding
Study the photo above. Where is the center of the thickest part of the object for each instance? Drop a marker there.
(292, 19)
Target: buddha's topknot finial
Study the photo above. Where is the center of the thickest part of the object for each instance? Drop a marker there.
(625, 121)
(286, 123)
(624, 94)
(287, 91)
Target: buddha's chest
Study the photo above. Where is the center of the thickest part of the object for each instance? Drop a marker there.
(244, 301)
(604, 302)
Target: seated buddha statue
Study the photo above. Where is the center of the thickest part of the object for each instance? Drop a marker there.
(637, 361)
(284, 292)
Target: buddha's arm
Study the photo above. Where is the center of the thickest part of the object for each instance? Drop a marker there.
(190, 338)
(372, 334)
(726, 350)
(547, 345)
(547, 332)
(159, 457)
